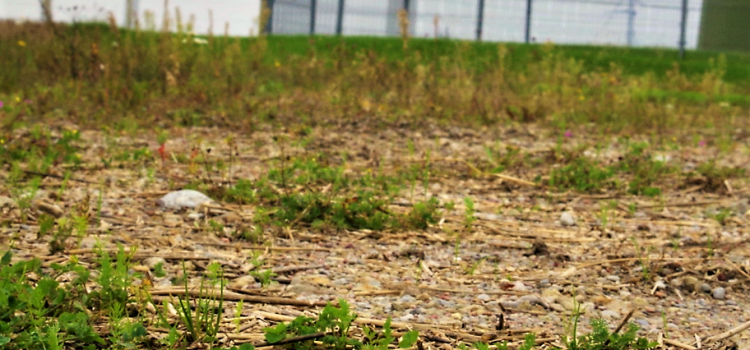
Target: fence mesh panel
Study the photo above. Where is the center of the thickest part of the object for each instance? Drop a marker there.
(600, 22)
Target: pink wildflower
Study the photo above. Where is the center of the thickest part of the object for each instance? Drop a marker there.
(568, 133)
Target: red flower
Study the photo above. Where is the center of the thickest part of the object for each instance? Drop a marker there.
(162, 152)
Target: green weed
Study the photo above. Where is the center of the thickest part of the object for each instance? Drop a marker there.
(202, 322)
(581, 174)
(44, 314)
(333, 325)
(643, 261)
(469, 211)
(263, 277)
(312, 192)
(600, 337)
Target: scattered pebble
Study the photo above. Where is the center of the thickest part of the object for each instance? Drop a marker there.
(406, 298)
(705, 288)
(195, 216)
(613, 278)
(607, 313)
(244, 282)
(567, 219)
(544, 283)
(7, 202)
(183, 199)
(691, 283)
(719, 293)
(50, 208)
(519, 287)
(171, 220)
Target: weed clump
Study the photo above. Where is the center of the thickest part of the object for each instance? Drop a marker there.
(308, 191)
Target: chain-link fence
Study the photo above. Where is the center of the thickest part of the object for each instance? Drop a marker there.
(660, 23)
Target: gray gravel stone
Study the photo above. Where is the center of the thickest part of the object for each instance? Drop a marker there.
(567, 219)
(483, 297)
(446, 303)
(195, 216)
(642, 322)
(705, 288)
(660, 285)
(614, 278)
(610, 314)
(719, 293)
(544, 283)
(519, 287)
(406, 298)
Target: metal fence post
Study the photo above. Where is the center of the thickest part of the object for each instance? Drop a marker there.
(340, 18)
(631, 23)
(527, 37)
(683, 28)
(480, 20)
(313, 13)
(269, 22)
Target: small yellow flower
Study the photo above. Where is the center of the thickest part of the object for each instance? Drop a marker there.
(2, 141)
(18, 99)
(277, 64)
(582, 98)
(21, 43)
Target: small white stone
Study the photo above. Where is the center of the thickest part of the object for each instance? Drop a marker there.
(611, 314)
(195, 216)
(183, 199)
(719, 293)
(519, 287)
(567, 219)
(660, 285)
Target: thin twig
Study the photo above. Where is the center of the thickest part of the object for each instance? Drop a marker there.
(679, 344)
(231, 296)
(296, 339)
(728, 333)
(624, 321)
(516, 180)
(57, 177)
(737, 268)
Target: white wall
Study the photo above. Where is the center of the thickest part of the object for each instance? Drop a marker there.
(242, 15)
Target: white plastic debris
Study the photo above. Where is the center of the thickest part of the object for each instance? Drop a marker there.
(183, 199)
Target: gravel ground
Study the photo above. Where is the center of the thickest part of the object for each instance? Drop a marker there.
(528, 259)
